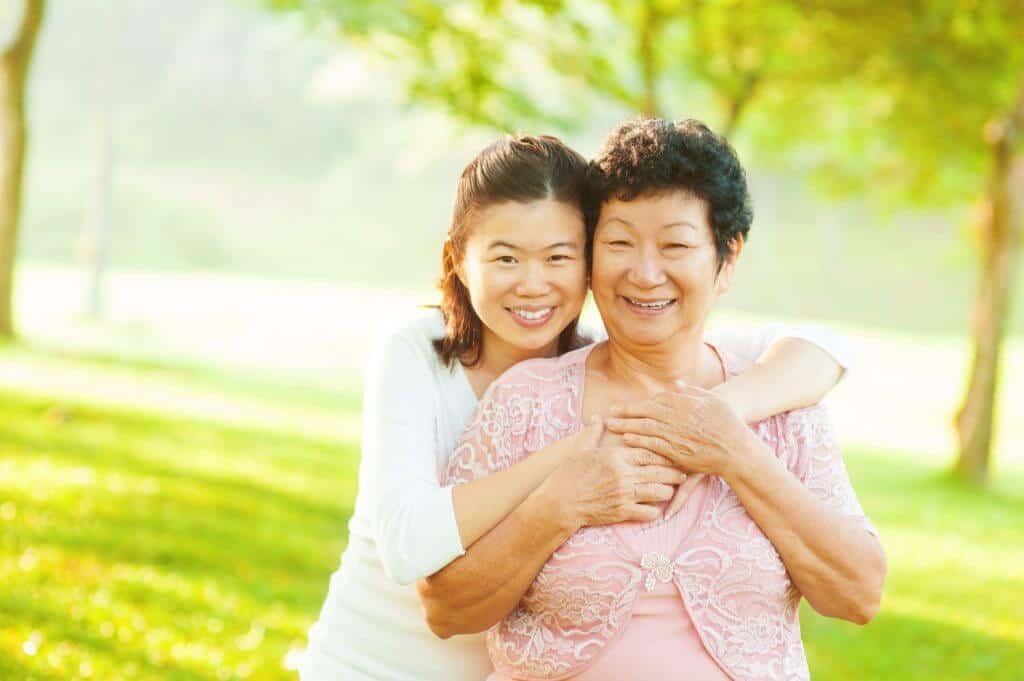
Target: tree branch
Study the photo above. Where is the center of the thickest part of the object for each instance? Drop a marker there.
(23, 36)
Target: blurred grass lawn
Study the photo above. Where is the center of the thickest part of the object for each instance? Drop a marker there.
(141, 546)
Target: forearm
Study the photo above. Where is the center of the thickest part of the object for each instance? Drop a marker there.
(477, 589)
(792, 373)
(837, 565)
(481, 504)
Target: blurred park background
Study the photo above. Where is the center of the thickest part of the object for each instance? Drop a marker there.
(222, 203)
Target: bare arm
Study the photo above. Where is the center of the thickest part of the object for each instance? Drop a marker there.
(593, 486)
(477, 589)
(482, 503)
(837, 565)
(480, 587)
(791, 373)
(816, 525)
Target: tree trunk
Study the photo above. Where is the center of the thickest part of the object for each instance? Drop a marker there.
(14, 62)
(648, 60)
(1000, 246)
(737, 105)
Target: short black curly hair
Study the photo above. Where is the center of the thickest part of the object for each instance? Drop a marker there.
(649, 156)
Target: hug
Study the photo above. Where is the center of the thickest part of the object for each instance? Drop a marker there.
(653, 505)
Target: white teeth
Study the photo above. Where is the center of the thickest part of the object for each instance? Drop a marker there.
(655, 305)
(531, 315)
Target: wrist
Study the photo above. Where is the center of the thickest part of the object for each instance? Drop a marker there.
(747, 460)
(734, 398)
(556, 510)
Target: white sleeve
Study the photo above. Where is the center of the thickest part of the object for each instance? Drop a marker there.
(414, 518)
(750, 345)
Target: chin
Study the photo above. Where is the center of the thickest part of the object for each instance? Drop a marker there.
(530, 341)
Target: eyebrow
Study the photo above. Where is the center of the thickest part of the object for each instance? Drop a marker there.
(560, 244)
(680, 223)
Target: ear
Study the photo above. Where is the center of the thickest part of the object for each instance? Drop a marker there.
(724, 278)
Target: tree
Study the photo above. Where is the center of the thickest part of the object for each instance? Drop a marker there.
(15, 57)
(944, 85)
(893, 98)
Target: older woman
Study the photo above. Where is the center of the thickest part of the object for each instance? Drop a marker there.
(710, 591)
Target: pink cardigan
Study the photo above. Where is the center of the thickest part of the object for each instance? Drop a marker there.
(731, 579)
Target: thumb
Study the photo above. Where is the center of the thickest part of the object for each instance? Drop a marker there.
(592, 435)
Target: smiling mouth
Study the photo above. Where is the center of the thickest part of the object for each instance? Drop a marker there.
(649, 306)
(532, 316)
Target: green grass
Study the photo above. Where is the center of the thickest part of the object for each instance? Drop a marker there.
(146, 547)
(152, 547)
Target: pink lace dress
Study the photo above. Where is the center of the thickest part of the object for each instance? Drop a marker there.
(699, 597)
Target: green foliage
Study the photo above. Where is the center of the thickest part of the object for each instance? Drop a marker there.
(890, 97)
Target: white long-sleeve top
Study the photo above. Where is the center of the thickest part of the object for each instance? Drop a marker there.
(415, 408)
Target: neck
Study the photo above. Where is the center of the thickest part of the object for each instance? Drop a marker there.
(657, 368)
(498, 355)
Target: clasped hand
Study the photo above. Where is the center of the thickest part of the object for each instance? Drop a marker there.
(695, 430)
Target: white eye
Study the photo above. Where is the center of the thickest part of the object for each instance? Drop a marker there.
(505, 260)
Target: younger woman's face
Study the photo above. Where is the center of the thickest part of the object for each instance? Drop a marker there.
(525, 270)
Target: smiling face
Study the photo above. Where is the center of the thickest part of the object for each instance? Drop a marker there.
(656, 268)
(525, 271)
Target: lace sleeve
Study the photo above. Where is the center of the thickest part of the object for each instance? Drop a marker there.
(812, 454)
(497, 435)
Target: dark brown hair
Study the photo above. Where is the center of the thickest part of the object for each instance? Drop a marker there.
(520, 169)
(651, 155)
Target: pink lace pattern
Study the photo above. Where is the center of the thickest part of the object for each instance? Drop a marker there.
(729, 575)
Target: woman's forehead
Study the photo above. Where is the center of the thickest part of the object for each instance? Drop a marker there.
(536, 224)
(657, 211)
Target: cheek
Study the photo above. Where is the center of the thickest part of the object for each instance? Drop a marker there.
(484, 284)
(696, 282)
(573, 280)
(601, 273)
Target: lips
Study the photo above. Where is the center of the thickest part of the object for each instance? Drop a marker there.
(531, 317)
(649, 307)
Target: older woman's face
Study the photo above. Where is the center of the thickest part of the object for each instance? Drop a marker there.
(655, 269)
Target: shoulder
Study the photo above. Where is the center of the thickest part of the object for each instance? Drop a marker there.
(421, 328)
(798, 436)
(543, 375)
(408, 343)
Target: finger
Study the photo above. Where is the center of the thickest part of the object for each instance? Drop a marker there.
(652, 492)
(645, 457)
(684, 388)
(666, 475)
(593, 433)
(642, 409)
(682, 494)
(653, 444)
(642, 513)
(641, 425)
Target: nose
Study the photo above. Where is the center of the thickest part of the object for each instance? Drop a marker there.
(534, 281)
(646, 270)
